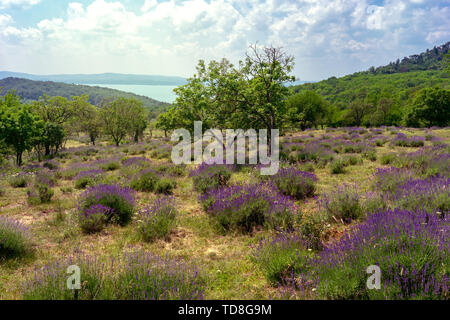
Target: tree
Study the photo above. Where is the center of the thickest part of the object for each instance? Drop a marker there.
(356, 112)
(119, 118)
(55, 109)
(166, 121)
(87, 119)
(431, 107)
(57, 114)
(251, 95)
(20, 129)
(305, 109)
(138, 119)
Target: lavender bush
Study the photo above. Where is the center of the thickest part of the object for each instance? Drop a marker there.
(94, 218)
(119, 199)
(279, 256)
(430, 194)
(245, 207)
(14, 238)
(158, 219)
(145, 180)
(410, 247)
(210, 176)
(295, 183)
(133, 276)
(87, 178)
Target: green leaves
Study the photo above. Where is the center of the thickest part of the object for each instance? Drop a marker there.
(20, 129)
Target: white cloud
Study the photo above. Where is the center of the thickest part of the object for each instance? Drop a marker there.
(169, 37)
(5, 19)
(17, 3)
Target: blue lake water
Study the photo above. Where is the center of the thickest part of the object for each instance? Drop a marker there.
(160, 93)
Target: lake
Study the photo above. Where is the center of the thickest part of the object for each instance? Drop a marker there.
(160, 93)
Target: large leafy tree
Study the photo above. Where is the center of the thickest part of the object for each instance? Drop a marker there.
(356, 112)
(87, 118)
(121, 117)
(431, 107)
(251, 95)
(306, 109)
(58, 114)
(20, 129)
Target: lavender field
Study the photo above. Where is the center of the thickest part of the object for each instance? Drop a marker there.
(140, 227)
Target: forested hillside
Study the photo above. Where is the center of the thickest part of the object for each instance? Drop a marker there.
(398, 82)
(32, 90)
(101, 78)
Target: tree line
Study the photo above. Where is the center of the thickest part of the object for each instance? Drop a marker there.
(43, 126)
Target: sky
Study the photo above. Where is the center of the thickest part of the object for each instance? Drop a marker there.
(326, 37)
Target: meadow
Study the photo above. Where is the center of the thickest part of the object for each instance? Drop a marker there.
(140, 227)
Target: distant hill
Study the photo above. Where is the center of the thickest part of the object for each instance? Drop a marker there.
(429, 60)
(398, 80)
(104, 78)
(32, 90)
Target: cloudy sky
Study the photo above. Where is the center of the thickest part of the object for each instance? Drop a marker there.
(327, 38)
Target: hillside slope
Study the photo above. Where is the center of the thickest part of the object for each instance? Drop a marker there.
(398, 80)
(32, 90)
(103, 78)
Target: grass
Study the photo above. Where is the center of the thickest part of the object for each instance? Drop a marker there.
(224, 259)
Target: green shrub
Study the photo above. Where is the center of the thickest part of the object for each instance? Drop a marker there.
(343, 204)
(14, 238)
(165, 186)
(388, 158)
(370, 155)
(279, 256)
(39, 193)
(146, 181)
(337, 166)
(19, 181)
(84, 182)
(94, 218)
(111, 166)
(45, 193)
(158, 219)
(208, 177)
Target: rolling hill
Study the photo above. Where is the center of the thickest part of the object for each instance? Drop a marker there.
(31, 90)
(398, 80)
(104, 78)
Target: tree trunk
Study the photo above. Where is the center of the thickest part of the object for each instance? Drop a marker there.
(19, 159)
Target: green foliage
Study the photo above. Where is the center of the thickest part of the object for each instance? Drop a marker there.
(431, 107)
(165, 186)
(388, 158)
(382, 95)
(122, 116)
(158, 219)
(279, 257)
(19, 127)
(111, 166)
(18, 181)
(33, 90)
(212, 177)
(305, 109)
(251, 95)
(338, 166)
(14, 239)
(145, 182)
